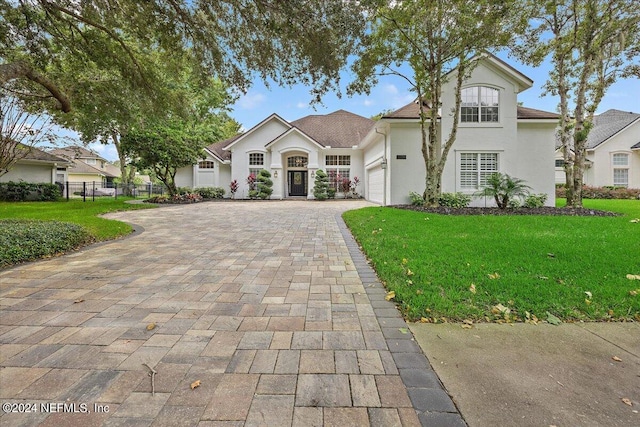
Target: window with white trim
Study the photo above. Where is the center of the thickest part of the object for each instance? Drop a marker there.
(480, 104)
(620, 163)
(297, 161)
(475, 168)
(338, 174)
(620, 159)
(205, 164)
(559, 163)
(256, 159)
(334, 160)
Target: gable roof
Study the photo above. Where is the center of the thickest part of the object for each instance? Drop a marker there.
(340, 129)
(409, 111)
(217, 149)
(35, 154)
(77, 152)
(80, 167)
(233, 141)
(608, 124)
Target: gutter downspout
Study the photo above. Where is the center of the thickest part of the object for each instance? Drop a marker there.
(384, 168)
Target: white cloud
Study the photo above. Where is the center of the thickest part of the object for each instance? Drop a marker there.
(368, 102)
(251, 101)
(390, 89)
(302, 105)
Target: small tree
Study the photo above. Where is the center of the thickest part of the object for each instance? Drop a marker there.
(354, 187)
(264, 184)
(345, 186)
(251, 182)
(233, 187)
(321, 185)
(504, 188)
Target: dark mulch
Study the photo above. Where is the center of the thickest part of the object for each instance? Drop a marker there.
(519, 211)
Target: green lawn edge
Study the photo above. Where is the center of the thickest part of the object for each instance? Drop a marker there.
(85, 214)
(506, 268)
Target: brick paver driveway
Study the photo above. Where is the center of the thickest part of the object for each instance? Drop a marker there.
(268, 305)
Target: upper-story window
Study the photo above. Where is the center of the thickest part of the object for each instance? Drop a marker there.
(256, 159)
(91, 161)
(338, 160)
(205, 164)
(480, 104)
(297, 162)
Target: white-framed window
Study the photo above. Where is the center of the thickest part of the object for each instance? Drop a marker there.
(205, 164)
(559, 163)
(480, 104)
(620, 163)
(297, 161)
(254, 171)
(91, 161)
(621, 177)
(336, 173)
(334, 160)
(256, 159)
(620, 159)
(475, 168)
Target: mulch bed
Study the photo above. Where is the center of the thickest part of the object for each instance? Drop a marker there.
(519, 211)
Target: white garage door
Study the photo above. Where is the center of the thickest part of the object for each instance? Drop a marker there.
(375, 184)
(206, 178)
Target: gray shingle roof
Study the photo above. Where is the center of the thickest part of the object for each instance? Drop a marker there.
(42, 156)
(608, 124)
(77, 152)
(340, 129)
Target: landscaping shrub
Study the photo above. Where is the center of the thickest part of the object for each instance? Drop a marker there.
(454, 200)
(535, 200)
(210, 192)
(264, 184)
(602, 192)
(22, 191)
(25, 240)
(503, 188)
(416, 199)
(321, 186)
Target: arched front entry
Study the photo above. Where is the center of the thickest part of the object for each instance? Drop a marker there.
(297, 174)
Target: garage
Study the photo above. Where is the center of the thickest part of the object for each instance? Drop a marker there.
(375, 184)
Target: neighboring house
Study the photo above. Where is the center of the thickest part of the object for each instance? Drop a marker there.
(613, 151)
(38, 167)
(494, 135)
(88, 166)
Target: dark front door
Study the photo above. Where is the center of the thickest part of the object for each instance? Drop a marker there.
(297, 183)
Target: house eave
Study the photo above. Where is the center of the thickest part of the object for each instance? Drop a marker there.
(253, 129)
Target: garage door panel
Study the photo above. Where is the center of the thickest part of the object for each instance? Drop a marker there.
(375, 185)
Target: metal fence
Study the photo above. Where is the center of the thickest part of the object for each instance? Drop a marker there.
(93, 189)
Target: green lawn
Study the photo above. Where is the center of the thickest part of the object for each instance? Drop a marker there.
(76, 212)
(513, 268)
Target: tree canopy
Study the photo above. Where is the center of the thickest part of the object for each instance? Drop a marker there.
(591, 44)
(285, 41)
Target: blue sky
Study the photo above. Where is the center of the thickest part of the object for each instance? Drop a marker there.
(291, 103)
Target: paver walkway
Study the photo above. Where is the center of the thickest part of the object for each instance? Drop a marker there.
(269, 305)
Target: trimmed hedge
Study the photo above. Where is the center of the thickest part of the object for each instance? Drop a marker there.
(22, 191)
(602, 192)
(26, 240)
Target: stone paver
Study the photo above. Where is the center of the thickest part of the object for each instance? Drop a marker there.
(270, 306)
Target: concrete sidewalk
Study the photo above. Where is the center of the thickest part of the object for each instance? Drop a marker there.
(538, 375)
(270, 307)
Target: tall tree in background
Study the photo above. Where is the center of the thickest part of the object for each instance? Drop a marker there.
(591, 44)
(434, 38)
(20, 131)
(283, 41)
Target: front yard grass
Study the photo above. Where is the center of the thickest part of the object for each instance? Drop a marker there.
(25, 239)
(506, 268)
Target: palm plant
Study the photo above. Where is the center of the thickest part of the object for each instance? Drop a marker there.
(503, 188)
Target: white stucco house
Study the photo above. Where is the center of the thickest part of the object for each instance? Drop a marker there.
(494, 135)
(38, 166)
(613, 151)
